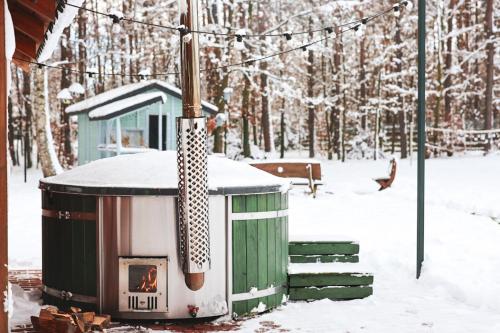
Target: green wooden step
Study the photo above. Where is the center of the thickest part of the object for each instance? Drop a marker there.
(318, 258)
(323, 248)
(333, 293)
(329, 279)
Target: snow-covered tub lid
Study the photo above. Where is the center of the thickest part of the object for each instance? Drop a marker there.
(155, 173)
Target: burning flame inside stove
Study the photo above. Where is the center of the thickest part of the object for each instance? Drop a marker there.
(145, 279)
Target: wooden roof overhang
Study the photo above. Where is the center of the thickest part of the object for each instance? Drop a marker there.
(32, 19)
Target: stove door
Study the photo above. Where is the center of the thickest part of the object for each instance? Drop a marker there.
(143, 285)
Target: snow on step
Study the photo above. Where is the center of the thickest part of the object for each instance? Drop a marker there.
(323, 248)
(322, 258)
(319, 268)
(333, 293)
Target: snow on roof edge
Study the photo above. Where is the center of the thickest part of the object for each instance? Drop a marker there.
(64, 17)
(108, 110)
(114, 94)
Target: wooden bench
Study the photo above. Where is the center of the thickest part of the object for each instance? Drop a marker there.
(386, 182)
(307, 173)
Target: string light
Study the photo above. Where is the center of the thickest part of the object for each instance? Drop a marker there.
(183, 30)
(288, 35)
(245, 62)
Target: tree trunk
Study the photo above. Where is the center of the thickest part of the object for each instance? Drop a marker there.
(46, 152)
(10, 134)
(362, 78)
(65, 151)
(336, 108)
(490, 53)
(244, 111)
(28, 112)
(310, 94)
(448, 64)
(401, 112)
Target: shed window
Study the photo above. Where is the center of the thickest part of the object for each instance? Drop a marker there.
(133, 138)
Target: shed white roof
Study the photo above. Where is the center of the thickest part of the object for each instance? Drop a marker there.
(129, 89)
(158, 170)
(112, 109)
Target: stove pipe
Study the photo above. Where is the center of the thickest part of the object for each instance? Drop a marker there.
(192, 152)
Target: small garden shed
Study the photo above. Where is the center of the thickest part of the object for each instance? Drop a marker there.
(129, 119)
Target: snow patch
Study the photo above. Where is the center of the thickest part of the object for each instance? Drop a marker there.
(63, 20)
(76, 88)
(259, 308)
(159, 170)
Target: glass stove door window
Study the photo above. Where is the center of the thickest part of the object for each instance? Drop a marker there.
(142, 278)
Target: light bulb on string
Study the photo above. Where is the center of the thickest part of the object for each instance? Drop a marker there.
(408, 5)
(330, 31)
(396, 10)
(360, 31)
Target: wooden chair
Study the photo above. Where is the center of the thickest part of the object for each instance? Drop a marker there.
(307, 173)
(387, 181)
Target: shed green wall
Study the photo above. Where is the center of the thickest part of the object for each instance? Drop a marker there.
(91, 133)
(259, 250)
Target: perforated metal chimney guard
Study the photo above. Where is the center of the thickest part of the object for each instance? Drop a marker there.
(192, 159)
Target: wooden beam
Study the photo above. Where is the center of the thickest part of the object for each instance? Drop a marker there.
(4, 274)
(26, 45)
(44, 8)
(18, 61)
(29, 24)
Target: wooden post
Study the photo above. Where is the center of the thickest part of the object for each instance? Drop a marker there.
(3, 174)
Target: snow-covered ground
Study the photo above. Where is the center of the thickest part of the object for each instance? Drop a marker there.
(459, 290)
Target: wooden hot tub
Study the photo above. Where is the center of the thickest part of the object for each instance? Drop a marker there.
(110, 240)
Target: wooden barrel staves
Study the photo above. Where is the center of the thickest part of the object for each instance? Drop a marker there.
(69, 250)
(259, 231)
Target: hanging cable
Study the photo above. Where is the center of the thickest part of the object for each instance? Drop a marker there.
(303, 47)
(239, 36)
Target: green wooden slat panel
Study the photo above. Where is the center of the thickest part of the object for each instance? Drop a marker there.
(333, 293)
(277, 200)
(238, 204)
(279, 298)
(240, 308)
(239, 257)
(90, 259)
(330, 279)
(284, 248)
(251, 203)
(262, 253)
(330, 248)
(271, 248)
(301, 259)
(252, 258)
(261, 203)
(271, 204)
(278, 247)
(269, 301)
(78, 263)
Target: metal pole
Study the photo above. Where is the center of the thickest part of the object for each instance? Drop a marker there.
(3, 176)
(421, 137)
(192, 156)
